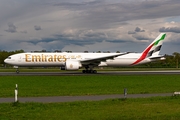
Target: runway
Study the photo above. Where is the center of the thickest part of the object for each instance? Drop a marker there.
(73, 73)
(55, 99)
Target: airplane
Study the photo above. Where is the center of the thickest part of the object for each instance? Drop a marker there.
(75, 61)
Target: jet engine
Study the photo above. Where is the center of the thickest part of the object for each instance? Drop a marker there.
(71, 65)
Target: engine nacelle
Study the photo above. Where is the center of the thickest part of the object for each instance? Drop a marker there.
(71, 65)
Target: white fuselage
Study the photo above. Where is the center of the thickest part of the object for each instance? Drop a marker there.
(59, 59)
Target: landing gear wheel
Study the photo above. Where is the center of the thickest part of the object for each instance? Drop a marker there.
(17, 71)
(83, 71)
(89, 71)
(94, 71)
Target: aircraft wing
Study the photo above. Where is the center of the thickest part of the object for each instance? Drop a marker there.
(98, 60)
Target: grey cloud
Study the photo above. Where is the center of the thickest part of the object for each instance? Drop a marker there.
(141, 37)
(103, 13)
(81, 37)
(94, 35)
(82, 4)
(11, 28)
(131, 32)
(23, 31)
(36, 27)
(84, 35)
(139, 30)
(44, 40)
(170, 29)
(117, 41)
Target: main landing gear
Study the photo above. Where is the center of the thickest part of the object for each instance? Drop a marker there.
(89, 69)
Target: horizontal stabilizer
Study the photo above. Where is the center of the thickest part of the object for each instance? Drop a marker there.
(161, 57)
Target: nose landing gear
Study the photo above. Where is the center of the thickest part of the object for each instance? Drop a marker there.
(17, 69)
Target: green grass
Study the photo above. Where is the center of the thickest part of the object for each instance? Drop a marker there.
(157, 108)
(88, 85)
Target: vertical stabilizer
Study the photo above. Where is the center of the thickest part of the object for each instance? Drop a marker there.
(156, 45)
(153, 49)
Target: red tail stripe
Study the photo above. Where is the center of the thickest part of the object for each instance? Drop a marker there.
(143, 56)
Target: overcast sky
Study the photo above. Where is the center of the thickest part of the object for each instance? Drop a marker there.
(92, 25)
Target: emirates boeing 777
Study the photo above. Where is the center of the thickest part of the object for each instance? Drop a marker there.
(75, 61)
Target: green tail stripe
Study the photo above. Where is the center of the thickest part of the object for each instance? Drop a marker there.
(162, 38)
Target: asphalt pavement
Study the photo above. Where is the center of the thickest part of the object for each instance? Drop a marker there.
(78, 73)
(55, 99)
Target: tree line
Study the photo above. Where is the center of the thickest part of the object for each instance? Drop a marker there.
(171, 61)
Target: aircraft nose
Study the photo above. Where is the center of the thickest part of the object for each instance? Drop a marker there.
(6, 61)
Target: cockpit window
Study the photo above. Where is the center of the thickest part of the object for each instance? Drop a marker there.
(9, 57)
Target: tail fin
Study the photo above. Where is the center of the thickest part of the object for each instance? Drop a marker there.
(153, 49)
